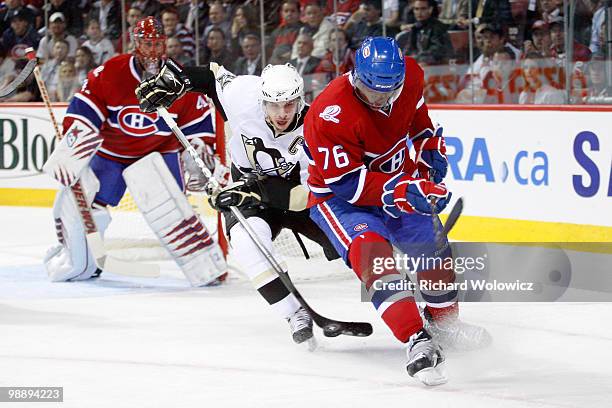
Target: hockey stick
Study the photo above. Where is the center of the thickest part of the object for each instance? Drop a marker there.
(20, 79)
(331, 327)
(92, 235)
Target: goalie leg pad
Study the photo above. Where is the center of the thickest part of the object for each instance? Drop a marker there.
(170, 216)
(71, 259)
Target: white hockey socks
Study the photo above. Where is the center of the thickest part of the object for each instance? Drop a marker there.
(170, 216)
(257, 268)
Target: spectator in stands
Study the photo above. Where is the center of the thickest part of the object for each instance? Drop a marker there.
(20, 35)
(148, 7)
(305, 63)
(216, 50)
(172, 28)
(365, 22)
(68, 82)
(597, 27)
(7, 68)
(549, 9)
(344, 10)
(244, 23)
(250, 62)
(283, 37)
(108, 14)
(83, 63)
(133, 15)
(407, 19)
(390, 14)
(557, 35)
(339, 55)
(540, 39)
(598, 90)
(428, 40)
(318, 27)
(174, 50)
(56, 31)
(454, 13)
(73, 15)
(101, 47)
(501, 81)
(50, 69)
(217, 18)
(536, 89)
(493, 40)
(9, 9)
(492, 12)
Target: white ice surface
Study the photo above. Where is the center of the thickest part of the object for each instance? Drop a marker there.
(121, 342)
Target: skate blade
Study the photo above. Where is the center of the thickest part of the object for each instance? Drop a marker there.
(432, 376)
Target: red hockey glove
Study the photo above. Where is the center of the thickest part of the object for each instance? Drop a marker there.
(403, 193)
(431, 155)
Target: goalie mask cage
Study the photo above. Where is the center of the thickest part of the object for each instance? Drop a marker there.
(130, 238)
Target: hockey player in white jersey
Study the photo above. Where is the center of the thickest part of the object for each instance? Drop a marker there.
(269, 166)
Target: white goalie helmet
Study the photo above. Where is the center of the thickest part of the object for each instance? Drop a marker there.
(281, 83)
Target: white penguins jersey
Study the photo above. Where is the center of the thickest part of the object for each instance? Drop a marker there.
(254, 143)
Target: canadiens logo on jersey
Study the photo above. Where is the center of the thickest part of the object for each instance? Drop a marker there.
(266, 160)
(389, 162)
(132, 121)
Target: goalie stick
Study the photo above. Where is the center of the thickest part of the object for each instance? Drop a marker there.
(20, 79)
(331, 327)
(93, 236)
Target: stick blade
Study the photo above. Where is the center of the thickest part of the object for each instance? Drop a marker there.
(453, 216)
(20, 79)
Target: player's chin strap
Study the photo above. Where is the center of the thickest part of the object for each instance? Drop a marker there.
(331, 328)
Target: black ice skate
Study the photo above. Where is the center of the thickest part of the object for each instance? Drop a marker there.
(425, 359)
(301, 327)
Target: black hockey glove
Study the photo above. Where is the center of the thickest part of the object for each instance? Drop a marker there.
(246, 192)
(164, 88)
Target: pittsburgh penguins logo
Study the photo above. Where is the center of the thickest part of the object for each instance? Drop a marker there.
(225, 79)
(266, 160)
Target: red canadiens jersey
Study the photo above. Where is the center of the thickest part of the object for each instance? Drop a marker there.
(107, 103)
(354, 150)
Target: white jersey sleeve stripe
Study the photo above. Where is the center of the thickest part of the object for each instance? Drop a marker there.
(92, 105)
(362, 177)
(334, 179)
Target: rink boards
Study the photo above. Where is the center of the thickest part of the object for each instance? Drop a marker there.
(537, 174)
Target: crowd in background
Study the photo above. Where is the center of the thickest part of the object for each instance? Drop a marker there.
(472, 51)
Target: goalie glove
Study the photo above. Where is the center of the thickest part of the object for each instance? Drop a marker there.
(246, 192)
(164, 88)
(431, 155)
(196, 180)
(403, 193)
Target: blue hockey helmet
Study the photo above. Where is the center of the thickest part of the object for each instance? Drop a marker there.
(379, 71)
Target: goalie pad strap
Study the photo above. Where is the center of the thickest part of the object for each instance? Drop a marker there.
(170, 216)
